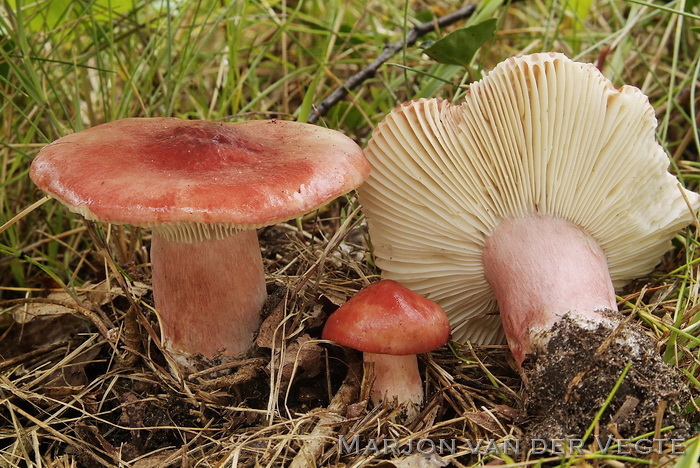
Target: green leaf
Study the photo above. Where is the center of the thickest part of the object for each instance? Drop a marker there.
(692, 453)
(307, 102)
(42, 16)
(459, 47)
(50, 14)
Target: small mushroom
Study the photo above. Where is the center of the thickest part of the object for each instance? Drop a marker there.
(202, 188)
(525, 206)
(390, 324)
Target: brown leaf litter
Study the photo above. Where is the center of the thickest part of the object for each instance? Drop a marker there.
(78, 387)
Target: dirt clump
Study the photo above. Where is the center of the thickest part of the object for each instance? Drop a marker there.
(569, 380)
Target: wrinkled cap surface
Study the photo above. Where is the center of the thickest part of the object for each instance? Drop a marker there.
(166, 170)
(540, 134)
(387, 318)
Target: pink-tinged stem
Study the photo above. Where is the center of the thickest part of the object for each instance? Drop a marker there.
(395, 377)
(208, 294)
(540, 269)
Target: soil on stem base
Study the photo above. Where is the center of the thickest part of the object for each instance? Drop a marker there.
(569, 376)
(397, 383)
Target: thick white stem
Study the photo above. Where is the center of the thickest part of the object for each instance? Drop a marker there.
(542, 268)
(395, 377)
(208, 294)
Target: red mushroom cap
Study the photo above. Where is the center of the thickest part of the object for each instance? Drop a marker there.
(165, 170)
(387, 318)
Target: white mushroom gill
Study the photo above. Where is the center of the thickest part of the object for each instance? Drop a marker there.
(540, 134)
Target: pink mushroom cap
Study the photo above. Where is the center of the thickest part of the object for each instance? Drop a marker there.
(202, 187)
(388, 318)
(149, 171)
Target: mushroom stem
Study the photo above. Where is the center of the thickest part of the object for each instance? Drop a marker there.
(396, 378)
(208, 294)
(541, 269)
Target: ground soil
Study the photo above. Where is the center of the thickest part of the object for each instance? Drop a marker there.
(569, 380)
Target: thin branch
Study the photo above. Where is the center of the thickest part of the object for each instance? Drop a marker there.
(355, 80)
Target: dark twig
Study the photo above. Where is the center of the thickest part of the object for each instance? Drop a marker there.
(389, 51)
(31, 355)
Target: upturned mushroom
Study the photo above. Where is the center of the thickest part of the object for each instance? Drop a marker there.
(202, 188)
(391, 324)
(524, 206)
